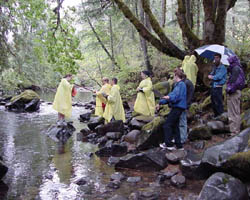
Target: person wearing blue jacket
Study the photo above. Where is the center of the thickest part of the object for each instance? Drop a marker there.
(178, 103)
(218, 77)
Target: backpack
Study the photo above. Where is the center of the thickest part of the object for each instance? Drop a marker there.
(239, 83)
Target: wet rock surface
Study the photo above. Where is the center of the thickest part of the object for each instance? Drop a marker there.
(112, 150)
(118, 176)
(175, 156)
(132, 136)
(178, 181)
(94, 122)
(27, 101)
(134, 179)
(3, 170)
(223, 186)
(151, 160)
(201, 132)
(116, 126)
(217, 127)
(61, 131)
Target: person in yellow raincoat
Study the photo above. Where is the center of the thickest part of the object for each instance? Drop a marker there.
(114, 108)
(100, 97)
(63, 98)
(190, 68)
(145, 101)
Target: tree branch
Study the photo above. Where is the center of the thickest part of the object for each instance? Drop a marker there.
(191, 41)
(171, 51)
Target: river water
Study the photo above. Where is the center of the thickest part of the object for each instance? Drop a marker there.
(42, 169)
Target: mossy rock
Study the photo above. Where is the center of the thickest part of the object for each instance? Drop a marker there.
(245, 98)
(151, 134)
(144, 118)
(164, 110)
(246, 119)
(25, 96)
(239, 165)
(200, 133)
(206, 103)
(161, 88)
(194, 108)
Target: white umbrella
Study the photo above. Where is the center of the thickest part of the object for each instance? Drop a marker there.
(208, 51)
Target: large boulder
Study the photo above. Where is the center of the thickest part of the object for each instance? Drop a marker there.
(222, 186)
(151, 134)
(61, 131)
(3, 170)
(201, 132)
(151, 160)
(115, 126)
(111, 149)
(161, 89)
(246, 119)
(28, 101)
(219, 157)
(218, 127)
(190, 166)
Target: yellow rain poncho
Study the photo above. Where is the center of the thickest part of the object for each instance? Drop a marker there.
(191, 69)
(145, 101)
(63, 98)
(101, 99)
(114, 107)
(184, 62)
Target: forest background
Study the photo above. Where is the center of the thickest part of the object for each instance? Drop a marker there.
(43, 40)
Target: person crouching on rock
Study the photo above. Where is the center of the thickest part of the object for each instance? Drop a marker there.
(63, 98)
(114, 108)
(178, 100)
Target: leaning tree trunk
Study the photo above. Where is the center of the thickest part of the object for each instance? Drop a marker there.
(163, 12)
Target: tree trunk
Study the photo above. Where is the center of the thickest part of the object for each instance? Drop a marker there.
(198, 18)
(111, 42)
(144, 45)
(163, 12)
(189, 16)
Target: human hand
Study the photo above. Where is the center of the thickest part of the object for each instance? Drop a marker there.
(166, 97)
(210, 76)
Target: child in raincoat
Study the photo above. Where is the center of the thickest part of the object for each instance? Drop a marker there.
(190, 68)
(100, 97)
(145, 101)
(114, 108)
(63, 98)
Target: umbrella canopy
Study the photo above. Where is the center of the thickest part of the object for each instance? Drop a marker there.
(208, 51)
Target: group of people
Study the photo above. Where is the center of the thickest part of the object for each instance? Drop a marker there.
(109, 103)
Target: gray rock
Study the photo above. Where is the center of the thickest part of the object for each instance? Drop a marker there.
(134, 124)
(132, 136)
(190, 166)
(134, 196)
(170, 173)
(85, 117)
(216, 158)
(178, 181)
(217, 127)
(81, 181)
(102, 141)
(223, 186)
(135, 179)
(113, 160)
(3, 170)
(151, 134)
(118, 176)
(94, 122)
(114, 135)
(118, 197)
(112, 150)
(151, 160)
(115, 126)
(175, 156)
(201, 132)
(198, 144)
(114, 184)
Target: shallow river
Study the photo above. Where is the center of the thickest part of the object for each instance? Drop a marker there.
(39, 168)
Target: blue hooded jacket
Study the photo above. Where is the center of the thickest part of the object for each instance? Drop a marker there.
(178, 97)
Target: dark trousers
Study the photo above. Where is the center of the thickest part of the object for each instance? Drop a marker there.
(171, 128)
(217, 101)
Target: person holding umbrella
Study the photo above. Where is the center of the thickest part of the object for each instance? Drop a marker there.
(218, 77)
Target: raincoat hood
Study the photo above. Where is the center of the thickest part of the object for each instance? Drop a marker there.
(233, 61)
(192, 58)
